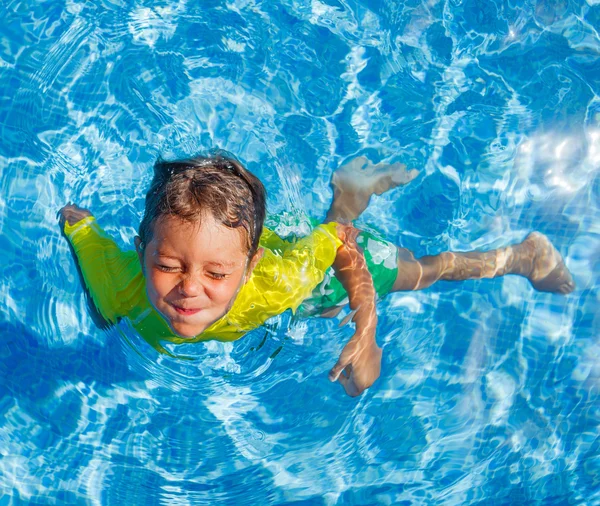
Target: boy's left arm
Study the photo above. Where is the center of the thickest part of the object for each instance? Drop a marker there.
(360, 362)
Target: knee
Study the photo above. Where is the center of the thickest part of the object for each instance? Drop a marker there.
(433, 268)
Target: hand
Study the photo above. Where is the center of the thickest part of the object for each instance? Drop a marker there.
(72, 214)
(359, 364)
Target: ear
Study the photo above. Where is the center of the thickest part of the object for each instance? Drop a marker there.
(254, 262)
(139, 248)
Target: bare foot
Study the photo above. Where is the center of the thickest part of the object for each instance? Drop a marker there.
(361, 175)
(354, 183)
(72, 214)
(549, 272)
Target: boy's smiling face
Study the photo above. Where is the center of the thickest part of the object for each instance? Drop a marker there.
(193, 271)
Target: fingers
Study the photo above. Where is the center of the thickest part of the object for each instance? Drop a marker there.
(345, 377)
(349, 354)
(357, 368)
(344, 373)
(348, 381)
(72, 213)
(335, 373)
(344, 362)
(62, 210)
(66, 209)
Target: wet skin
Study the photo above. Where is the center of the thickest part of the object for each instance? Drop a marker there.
(359, 364)
(194, 271)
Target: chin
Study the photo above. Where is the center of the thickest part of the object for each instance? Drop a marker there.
(182, 330)
(184, 333)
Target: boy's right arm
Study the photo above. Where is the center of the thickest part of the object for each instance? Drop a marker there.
(72, 214)
(111, 277)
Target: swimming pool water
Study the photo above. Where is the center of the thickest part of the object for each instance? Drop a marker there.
(489, 392)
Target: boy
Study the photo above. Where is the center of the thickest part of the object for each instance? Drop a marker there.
(204, 268)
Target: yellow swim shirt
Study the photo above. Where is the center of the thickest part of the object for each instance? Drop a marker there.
(284, 277)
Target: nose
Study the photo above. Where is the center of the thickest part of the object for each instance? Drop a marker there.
(190, 286)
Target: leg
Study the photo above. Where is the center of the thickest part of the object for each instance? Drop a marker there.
(535, 258)
(354, 183)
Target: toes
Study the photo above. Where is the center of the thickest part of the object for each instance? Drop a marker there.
(550, 274)
(356, 164)
(568, 287)
(559, 280)
(361, 175)
(402, 176)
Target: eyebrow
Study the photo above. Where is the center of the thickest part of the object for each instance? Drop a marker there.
(224, 265)
(163, 255)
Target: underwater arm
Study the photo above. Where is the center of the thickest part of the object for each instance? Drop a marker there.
(360, 362)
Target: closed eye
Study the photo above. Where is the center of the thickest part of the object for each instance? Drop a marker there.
(217, 275)
(166, 268)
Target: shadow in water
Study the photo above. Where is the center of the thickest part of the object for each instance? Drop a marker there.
(32, 370)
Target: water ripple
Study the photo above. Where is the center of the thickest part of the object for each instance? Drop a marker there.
(488, 392)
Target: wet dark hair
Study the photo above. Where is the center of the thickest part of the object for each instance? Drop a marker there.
(217, 184)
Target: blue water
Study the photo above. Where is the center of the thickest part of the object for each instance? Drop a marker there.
(489, 391)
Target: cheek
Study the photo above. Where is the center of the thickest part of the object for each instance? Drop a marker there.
(222, 292)
(158, 284)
